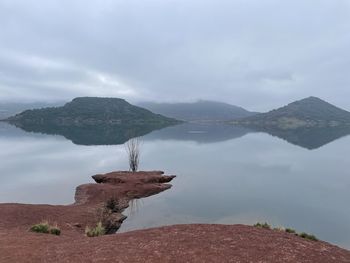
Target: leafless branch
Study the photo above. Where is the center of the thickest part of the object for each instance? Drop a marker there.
(133, 150)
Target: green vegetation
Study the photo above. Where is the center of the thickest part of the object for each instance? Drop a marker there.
(55, 230)
(44, 227)
(108, 218)
(287, 230)
(263, 225)
(91, 111)
(93, 121)
(99, 230)
(308, 236)
(309, 112)
(290, 230)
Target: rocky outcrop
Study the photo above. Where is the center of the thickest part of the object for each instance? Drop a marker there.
(179, 243)
(123, 186)
(126, 177)
(104, 201)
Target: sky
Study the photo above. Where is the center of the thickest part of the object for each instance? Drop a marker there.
(259, 54)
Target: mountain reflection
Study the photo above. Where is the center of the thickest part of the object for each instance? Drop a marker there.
(199, 132)
(94, 134)
(309, 137)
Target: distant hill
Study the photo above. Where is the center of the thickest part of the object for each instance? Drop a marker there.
(90, 111)
(198, 111)
(92, 121)
(309, 112)
(8, 109)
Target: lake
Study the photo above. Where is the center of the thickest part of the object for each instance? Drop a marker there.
(225, 175)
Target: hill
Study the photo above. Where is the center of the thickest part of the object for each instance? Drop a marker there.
(198, 111)
(8, 109)
(90, 111)
(92, 121)
(309, 112)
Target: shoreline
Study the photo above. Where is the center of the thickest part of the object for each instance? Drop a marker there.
(176, 243)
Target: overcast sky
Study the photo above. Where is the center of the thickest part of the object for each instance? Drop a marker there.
(258, 54)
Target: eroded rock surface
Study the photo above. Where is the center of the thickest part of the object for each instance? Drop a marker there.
(179, 243)
(90, 204)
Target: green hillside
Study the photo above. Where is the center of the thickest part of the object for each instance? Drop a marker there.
(91, 111)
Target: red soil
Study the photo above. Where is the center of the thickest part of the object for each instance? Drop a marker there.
(90, 200)
(182, 243)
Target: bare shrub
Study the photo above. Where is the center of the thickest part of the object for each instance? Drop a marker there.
(133, 150)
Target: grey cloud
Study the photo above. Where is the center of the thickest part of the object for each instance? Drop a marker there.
(257, 54)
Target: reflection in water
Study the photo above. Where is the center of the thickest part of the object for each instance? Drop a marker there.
(95, 134)
(309, 137)
(233, 180)
(134, 207)
(200, 132)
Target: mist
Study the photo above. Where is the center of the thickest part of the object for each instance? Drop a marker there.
(255, 54)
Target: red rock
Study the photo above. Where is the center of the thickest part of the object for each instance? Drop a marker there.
(180, 243)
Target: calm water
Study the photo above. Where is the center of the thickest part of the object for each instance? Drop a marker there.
(224, 174)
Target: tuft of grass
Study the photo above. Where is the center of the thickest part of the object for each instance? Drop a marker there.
(287, 230)
(308, 236)
(55, 230)
(99, 230)
(42, 227)
(280, 229)
(263, 225)
(290, 230)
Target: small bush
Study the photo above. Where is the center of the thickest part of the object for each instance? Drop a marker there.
(99, 230)
(55, 231)
(263, 225)
(133, 150)
(287, 230)
(308, 236)
(43, 227)
(290, 230)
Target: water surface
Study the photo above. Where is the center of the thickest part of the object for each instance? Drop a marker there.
(225, 175)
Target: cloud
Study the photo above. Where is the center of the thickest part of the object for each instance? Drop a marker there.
(257, 54)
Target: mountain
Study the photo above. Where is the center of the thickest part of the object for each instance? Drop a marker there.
(8, 109)
(198, 111)
(91, 111)
(92, 121)
(309, 112)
